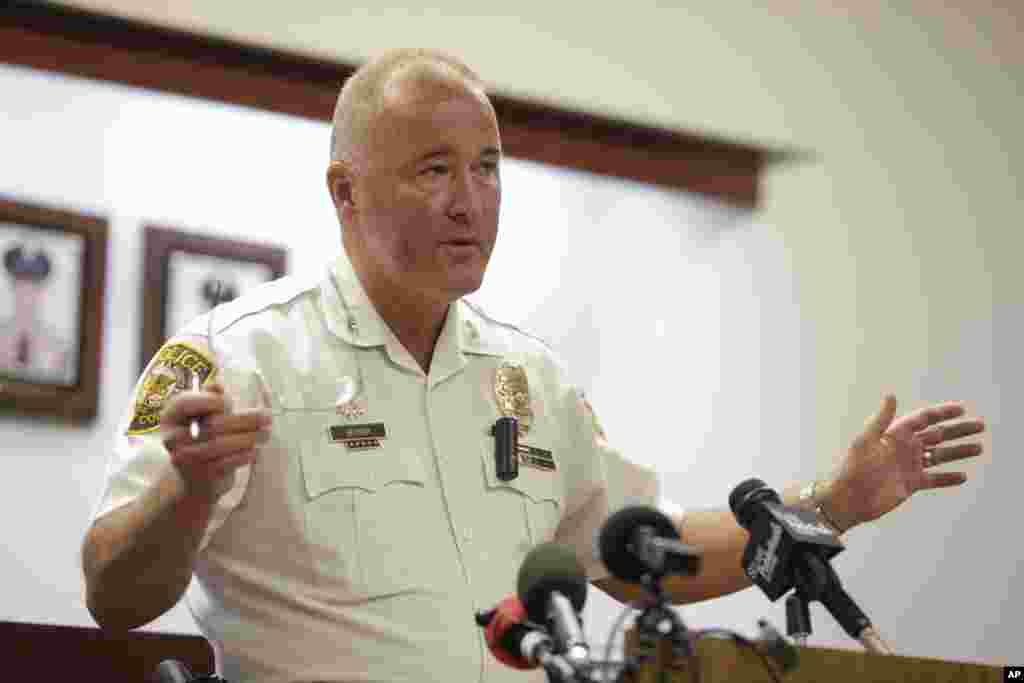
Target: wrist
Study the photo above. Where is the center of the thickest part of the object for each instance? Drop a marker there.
(832, 507)
(818, 497)
(197, 496)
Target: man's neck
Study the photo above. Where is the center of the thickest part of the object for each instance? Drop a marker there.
(416, 322)
(414, 319)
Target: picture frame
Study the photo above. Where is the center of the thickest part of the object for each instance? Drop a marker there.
(51, 310)
(180, 273)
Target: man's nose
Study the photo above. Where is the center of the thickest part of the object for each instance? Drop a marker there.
(466, 203)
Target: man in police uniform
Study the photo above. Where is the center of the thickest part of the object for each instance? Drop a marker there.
(372, 524)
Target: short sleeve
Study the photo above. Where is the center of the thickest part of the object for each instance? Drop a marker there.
(139, 456)
(601, 481)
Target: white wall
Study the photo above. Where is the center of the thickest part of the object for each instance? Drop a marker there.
(900, 242)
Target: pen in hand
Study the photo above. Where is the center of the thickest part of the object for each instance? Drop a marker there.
(195, 424)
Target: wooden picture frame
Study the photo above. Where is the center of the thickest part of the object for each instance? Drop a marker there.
(177, 266)
(51, 310)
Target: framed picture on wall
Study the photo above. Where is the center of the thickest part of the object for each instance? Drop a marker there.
(185, 273)
(51, 310)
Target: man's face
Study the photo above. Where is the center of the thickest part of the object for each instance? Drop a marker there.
(426, 200)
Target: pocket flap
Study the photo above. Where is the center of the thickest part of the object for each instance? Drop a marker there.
(536, 484)
(328, 465)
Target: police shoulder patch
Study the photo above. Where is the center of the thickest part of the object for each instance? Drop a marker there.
(175, 368)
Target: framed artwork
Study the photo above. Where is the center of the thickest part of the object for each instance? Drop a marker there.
(51, 310)
(186, 272)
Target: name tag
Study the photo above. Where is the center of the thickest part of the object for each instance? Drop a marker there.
(537, 458)
(362, 437)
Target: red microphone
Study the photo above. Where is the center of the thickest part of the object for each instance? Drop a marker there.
(509, 637)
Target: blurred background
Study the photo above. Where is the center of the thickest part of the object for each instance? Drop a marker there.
(715, 342)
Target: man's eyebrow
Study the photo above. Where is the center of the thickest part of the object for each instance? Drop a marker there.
(445, 150)
(441, 151)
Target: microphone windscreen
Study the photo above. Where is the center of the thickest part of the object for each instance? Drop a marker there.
(172, 671)
(505, 630)
(550, 567)
(617, 535)
(746, 493)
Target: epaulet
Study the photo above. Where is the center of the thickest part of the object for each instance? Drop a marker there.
(508, 326)
(267, 295)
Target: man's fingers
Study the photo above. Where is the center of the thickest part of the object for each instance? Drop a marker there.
(925, 417)
(941, 480)
(947, 454)
(877, 425)
(175, 436)
(219, 447)
(939, 433)
(189, 404)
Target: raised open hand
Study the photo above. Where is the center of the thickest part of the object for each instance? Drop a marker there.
(892, 458)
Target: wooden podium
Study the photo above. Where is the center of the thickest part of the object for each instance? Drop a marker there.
(42, 652)
(722, 661)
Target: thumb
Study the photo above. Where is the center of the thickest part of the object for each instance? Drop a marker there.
(877, 424)
(214, 387)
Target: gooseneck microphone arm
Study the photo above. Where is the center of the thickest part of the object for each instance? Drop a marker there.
(845, 611)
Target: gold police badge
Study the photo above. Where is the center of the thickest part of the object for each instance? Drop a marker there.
(512, 392)
(170, 372)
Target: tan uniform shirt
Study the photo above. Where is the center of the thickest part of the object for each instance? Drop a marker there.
(331, 563)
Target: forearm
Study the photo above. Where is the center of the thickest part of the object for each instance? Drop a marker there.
(723, 541)
(138, 558)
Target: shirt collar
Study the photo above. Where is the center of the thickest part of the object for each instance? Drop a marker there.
(351, 316)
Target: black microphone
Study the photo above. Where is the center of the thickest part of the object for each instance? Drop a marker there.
(790, 548)
(552, 587)
(639, 541)
(172, 671)
(781, 540)
(773, 644)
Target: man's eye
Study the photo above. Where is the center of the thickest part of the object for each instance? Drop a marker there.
(436, 169)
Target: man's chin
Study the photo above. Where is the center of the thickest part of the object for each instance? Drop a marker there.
(460, 287)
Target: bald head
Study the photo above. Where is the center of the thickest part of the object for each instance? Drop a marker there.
(395, 77)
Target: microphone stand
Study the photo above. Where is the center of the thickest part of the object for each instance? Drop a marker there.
(817, 581)
(658, 623)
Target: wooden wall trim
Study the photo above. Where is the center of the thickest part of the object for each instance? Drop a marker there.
(86, 44)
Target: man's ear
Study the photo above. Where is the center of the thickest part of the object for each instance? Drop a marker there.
(339, 184)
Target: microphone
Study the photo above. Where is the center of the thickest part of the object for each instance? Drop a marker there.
(639, 543)
(552, 587)
(790, 548)
(774, 644)
(172, 671)
(519, 644)
(781, 540)
(510, 638)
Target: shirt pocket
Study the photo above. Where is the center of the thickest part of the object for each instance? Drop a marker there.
(360, 511)
(539, 493)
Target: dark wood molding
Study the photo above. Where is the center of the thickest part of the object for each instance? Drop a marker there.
(45, 652)
(80, 43)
